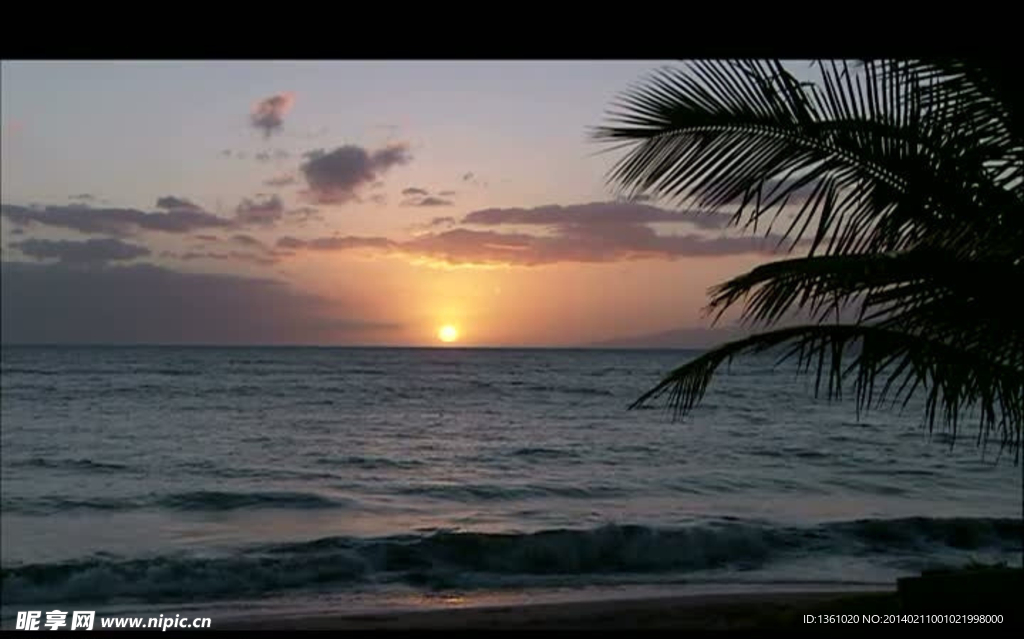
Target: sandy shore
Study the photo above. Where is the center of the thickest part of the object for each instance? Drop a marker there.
(712, 611)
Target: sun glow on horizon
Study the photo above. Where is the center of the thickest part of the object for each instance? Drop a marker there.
(448, 333)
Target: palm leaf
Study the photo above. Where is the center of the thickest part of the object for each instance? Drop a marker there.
(920, 292)
(903, 180)
(952, 381)
(716, 135)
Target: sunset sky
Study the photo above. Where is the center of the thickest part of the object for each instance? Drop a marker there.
(336, 203)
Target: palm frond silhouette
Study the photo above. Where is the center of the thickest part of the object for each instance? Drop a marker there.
(899, 184)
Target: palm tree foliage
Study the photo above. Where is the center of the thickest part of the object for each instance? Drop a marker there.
(896, 186)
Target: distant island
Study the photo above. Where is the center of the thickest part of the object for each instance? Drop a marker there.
(682, 338)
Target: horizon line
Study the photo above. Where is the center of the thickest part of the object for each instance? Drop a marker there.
(581, 347)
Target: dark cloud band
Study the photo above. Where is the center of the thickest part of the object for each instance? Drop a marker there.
(114, 221)
(595, 213)
(55, 303)
(81, 252)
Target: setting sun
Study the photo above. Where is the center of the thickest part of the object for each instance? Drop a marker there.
(448, 333)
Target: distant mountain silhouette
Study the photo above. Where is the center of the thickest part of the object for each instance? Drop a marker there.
(695, 338)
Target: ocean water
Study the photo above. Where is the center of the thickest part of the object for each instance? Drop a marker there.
(248, 479)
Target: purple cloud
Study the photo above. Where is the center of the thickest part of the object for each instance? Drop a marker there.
(256, 252)
(173, 203)
(174, 215)
(336, 243)
(582, 233)
(247, 240)
(265, 211)
(334, 177)
(238, 256)
(81, 252)
(304, 214)
(268, 114)
(580, 244)
(428, 201)
(113, 221)
(614, 213)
